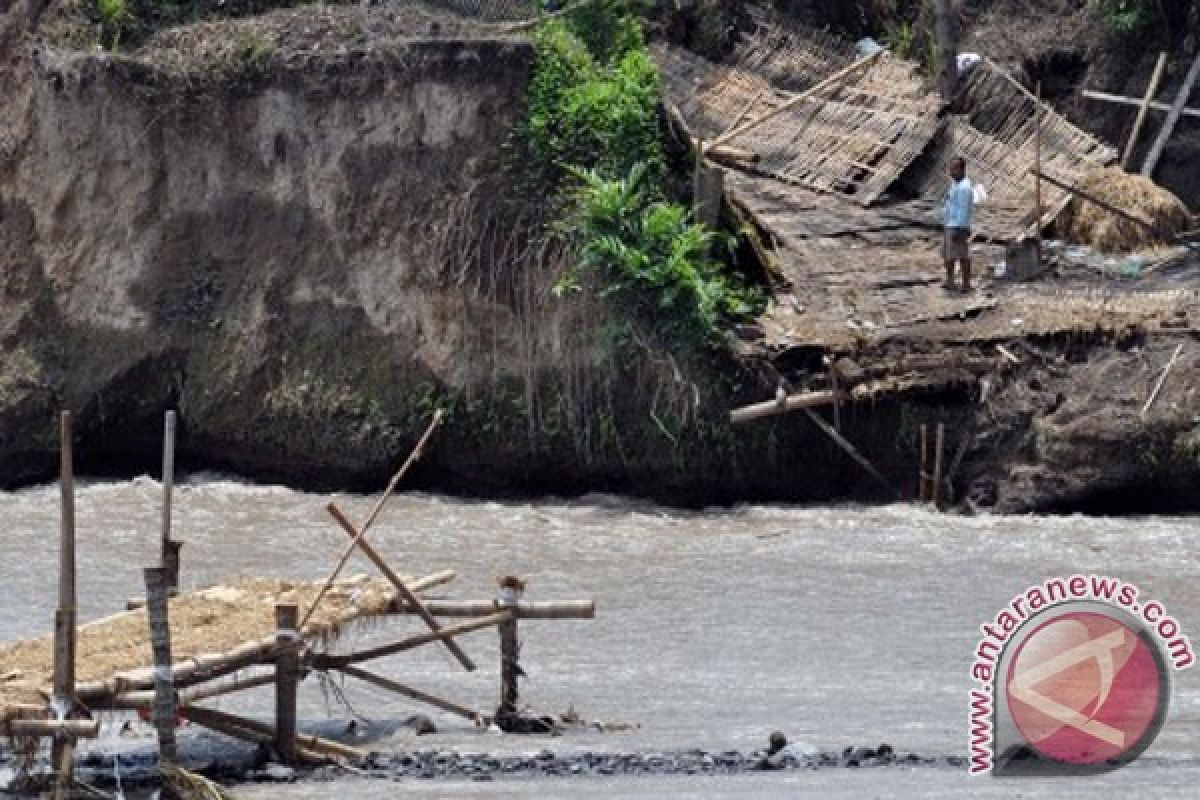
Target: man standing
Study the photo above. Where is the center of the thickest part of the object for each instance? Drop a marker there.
(958, 213)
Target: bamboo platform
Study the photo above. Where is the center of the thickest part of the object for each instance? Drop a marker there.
(174, 652)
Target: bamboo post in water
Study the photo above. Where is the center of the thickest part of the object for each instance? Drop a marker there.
(160, 643)
(169, 558)
(510, 648)
(287, 678)
(923, 472)
(63, 750)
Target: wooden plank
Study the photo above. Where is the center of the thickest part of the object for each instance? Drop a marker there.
(407, 594)
(1135, 102)
(413, 457)
(335, 662)
(287, 680)
(160, 646)
(1120, 212)
(832, 80)
(408, 691)
(1151, 93)
(1168, 128)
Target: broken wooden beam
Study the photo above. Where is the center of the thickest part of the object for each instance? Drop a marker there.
(794, 402)
(443, 634)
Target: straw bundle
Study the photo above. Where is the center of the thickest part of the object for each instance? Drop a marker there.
(1086, 223)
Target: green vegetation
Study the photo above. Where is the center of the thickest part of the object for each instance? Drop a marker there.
(129, 22)
(1124, 16)
(592, 140)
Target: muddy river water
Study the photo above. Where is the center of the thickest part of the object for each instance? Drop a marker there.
(837, 626)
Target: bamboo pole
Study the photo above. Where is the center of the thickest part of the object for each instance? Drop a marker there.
(60, 729)
(408, 691)
(1097, 201)
(169, 548)
(216, 721)
(1151, 92)
(832, 80)
(1037, 162)
(145, 700)
(578, 610)
(510, 651)
(306, 741)
(1168, 128)
(939, 447)
(287, 672)
(1135, 102)
(407, 594)
(62, 753)
(160, 644)
(416, 454)
(1162, 379)
(795, 402)
(923, 474)
(850, 450)
(335, 662)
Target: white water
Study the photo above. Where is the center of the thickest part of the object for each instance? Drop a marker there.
(837, 626)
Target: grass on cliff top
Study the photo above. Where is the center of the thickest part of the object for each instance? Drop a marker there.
(593, 141)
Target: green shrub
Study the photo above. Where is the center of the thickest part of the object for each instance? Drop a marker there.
(653, 261)
(1124, 16)
(115, 18)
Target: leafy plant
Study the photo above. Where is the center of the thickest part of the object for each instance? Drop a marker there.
(1123, 16)
(655, 262)
(115, 18)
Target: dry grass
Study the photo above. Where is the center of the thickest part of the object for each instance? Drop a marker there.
(210, 621)
(1086, 223)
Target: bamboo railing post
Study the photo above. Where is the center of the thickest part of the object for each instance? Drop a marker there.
(63, 750)
(169, 549)
(157, 589)
(939, 446)
(287, 679)
(510, 651)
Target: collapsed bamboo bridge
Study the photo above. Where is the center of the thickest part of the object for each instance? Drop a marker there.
(168, 652)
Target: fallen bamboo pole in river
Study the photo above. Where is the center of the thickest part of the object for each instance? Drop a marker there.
(65, 729)
(416, 454)
(406, 593)
(306, 741)
(236, 727)
(408, 691)
(326, 662)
